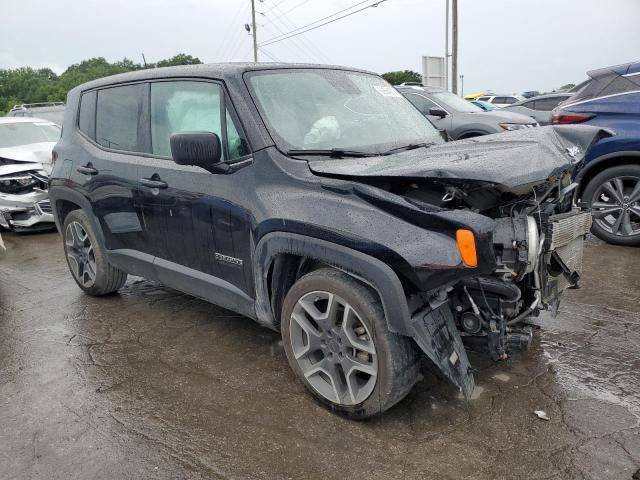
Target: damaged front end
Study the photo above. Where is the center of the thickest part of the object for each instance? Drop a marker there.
(24, 198)
(515, 193)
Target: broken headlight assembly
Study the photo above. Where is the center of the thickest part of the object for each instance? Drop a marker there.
(13, 184)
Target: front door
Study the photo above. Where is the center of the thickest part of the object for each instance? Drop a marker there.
(186, 213)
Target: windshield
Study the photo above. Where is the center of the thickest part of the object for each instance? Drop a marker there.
(24, 133)
(453, 102)
(312, 109)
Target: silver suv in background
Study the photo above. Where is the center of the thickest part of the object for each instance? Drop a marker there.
(459, 118)
(501, 100)
(540, 107)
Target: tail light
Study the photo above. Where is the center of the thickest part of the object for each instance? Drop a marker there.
(561, 117)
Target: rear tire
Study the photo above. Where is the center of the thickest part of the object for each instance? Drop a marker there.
(86, 259)
(614, 197)
(349, 360)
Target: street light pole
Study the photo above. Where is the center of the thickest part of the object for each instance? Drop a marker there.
(454, 53)
(253, 31)
(446, 46)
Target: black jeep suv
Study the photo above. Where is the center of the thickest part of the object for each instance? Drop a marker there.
(319, 202)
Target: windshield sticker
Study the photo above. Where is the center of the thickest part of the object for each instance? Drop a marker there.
(387, 91)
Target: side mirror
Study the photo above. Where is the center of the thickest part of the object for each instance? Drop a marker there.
(437, 112)
(201, 149)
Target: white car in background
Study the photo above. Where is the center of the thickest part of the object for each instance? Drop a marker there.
(501, 100)
(25, 164)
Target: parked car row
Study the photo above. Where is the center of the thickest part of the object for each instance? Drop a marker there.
(460, 119)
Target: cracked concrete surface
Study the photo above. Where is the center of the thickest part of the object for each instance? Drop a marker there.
(151, 383)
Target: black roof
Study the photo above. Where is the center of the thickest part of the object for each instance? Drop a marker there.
(219, 71)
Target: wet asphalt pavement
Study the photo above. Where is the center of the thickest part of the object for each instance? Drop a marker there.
(151, 383)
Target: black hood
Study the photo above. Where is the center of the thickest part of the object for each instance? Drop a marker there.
(514, 159)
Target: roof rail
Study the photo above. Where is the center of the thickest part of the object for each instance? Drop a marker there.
(39, 104)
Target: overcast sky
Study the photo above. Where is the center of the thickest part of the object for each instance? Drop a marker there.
(505, 45)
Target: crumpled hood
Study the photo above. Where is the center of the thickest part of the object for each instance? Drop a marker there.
(512, 159)
(31, 153)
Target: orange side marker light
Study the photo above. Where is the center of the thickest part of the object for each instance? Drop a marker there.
(467, 246)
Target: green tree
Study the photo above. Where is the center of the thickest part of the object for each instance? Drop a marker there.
(27, 85)
(568, 86)
(179, 59)
(398, 77)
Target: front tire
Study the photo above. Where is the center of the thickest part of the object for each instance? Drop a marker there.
(86, 258)
(614, 197)
(336, 340)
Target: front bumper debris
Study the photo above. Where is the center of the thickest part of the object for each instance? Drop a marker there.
(26, 211)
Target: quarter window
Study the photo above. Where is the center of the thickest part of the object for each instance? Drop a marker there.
(188, 106)
(548, 104)
(87, 116)
(118, 117)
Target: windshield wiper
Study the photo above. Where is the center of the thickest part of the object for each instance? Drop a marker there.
(411, 146)
(334, 153)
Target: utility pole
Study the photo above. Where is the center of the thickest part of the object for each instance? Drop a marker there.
(446, 47)
(454, 53)
(253, 31)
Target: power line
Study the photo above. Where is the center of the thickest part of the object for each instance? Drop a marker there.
(303, 40)
(324, 18)
(269, 55)
(287, 11)
(307, 54)
(229, 35)
(272, 7)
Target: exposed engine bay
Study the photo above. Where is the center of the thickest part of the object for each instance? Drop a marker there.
(538, 247)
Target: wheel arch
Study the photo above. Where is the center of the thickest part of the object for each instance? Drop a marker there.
(280, 257)
(602, 163)
(471, 134)
(64, 201)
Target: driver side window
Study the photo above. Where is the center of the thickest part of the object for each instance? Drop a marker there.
(190, 106)
(421, 103)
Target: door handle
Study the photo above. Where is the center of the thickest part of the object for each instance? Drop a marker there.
(87, 169)
(153, 182)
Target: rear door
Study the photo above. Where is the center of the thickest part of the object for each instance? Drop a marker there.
(104, 165)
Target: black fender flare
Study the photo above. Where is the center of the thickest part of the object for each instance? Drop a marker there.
(59, 193)
(365, 268)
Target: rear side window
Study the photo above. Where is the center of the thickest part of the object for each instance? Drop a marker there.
(507, 100)
(191, 106)
(87, 115)
(118, 117)
(548, 104)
